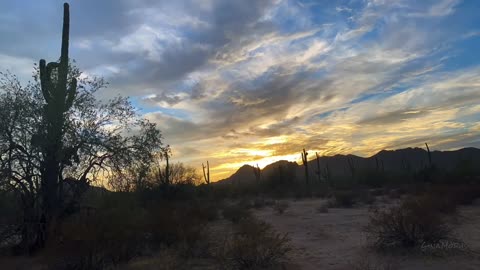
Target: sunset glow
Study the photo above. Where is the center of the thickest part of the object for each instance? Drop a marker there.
(254, 82)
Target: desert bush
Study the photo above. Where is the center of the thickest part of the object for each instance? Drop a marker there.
(182, 226)
(409, 225)
(343, 198)
(394, 194)
(254, 245)
(235, 213)
(280, 207)
(259, 203)
(366, 197)
(323, 208)
(461, 195)
(97, 239)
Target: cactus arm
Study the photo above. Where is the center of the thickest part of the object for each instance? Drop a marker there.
(44, 80)
(63, 70)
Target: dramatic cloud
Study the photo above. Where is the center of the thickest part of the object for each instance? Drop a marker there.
(255, 81)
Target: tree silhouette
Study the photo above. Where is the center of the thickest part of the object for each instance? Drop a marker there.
(55, 129)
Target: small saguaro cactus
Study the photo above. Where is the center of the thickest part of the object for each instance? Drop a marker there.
(319, 172)
(379, 165)
(167, 179)
(351, 166)
(206, 174)
(257, 172)
(305, 164)
(429, 156)
(327, 174)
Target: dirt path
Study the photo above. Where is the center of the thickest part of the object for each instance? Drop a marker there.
(335, 240)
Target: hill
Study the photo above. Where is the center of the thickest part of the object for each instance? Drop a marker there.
(408, 159)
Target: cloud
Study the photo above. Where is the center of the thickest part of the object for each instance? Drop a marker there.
(253, 81)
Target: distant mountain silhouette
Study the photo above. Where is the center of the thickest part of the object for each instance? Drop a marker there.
(411, 159)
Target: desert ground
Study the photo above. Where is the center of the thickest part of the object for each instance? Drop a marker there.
(335, 240)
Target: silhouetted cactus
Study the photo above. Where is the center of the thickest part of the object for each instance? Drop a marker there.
(327, 174)
(379, 167)
(429, 156)
(59, 95)
(206, 174)
(318, 172)
(167, 167)
(305, 164)
(258, 173)
(351, 166)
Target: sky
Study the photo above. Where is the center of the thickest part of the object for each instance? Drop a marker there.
(255, 81)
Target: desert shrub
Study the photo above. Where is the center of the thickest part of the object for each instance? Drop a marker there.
(323, 208)
(465, 194)
(235, 213)
(378, 192)
(343, 198)
(411, 224)
(372, 178)
(366, 197)
(439, 203)
(97, 239)
(254, 245)
(280, 207)
(394, 194)
(259, 203)
(182, 226)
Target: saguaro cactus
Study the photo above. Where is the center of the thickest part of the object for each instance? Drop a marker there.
(319, 172)
(305, 165)
(57, 91)
(167, 179)
(379, 165)
(351, 166)
(206, 174)
(429, 156)
(59, 95)
(258, 173)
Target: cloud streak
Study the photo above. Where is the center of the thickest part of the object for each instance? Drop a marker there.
(254, 81)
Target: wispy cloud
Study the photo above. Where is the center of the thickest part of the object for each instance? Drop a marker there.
(254, 81)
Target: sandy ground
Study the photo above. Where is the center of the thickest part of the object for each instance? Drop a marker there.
(335, 240)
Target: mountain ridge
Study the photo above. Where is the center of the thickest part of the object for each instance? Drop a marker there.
(388, 160)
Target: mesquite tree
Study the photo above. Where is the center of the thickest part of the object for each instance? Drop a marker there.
(53, 129)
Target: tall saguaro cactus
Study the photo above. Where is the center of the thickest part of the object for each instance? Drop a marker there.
(305, 165)
(59, 94)
(206, 174)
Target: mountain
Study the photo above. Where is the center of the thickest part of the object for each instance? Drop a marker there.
(341, 165)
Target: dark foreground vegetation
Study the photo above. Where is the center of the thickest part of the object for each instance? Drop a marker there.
(59, 145)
